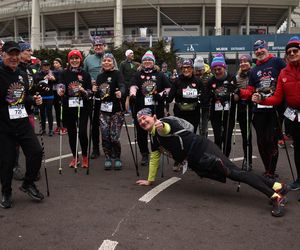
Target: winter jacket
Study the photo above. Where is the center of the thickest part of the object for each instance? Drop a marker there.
(288, 87)
(14, 90)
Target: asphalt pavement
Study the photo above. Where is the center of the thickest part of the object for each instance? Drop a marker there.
(107, 210)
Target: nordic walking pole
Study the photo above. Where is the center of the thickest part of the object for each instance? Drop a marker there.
(286, 151)
(129, 140)
(248, 144)
(227, 124)
(77, 135)
(90, 133)
(134, 129)
(60, 138)
(248, 137)
(43, 150)
(234, 131)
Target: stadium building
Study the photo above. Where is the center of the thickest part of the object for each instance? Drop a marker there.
(190, 25)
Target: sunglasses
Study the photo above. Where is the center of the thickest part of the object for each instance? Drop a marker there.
(294, 51)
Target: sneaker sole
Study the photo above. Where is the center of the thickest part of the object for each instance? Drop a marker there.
(278, 215)
(29, 194)
(295, 189)
(5, 207)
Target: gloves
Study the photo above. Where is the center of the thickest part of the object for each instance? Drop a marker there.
(160, 98)
(43, 87)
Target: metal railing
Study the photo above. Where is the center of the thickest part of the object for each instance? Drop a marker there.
(25, 6)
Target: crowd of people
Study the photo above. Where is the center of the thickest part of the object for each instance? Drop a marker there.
(264, 93)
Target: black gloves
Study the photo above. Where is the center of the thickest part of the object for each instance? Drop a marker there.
(160, 98)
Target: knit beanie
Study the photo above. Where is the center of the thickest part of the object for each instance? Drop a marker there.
(294, 42)
(199, 63)
(97, 40)
(260, 44)
(149, 55)
(144, 111)
(246, 57)
(128, 52)
(187, 63)
(74, 53)
(24, 45)
(58, 60)
(109, 55)
(218, 60)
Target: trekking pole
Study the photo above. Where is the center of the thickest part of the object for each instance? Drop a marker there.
(285, 147)
(128, 136)
(43, 150)
(234, 131)
(134, 131)
(200, 121)
(77, 135)
(90, 133)
(248, 138)
(227, 124)
(235, 120)
(162, 161)
(60, 139)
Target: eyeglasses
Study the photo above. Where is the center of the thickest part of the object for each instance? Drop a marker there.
(294, 51)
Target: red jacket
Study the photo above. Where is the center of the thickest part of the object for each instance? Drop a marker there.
(288, 87)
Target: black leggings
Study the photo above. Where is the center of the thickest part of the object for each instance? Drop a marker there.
(46, 111)
(295, 132)
(71, 120)
(247, 142)
(222, 132)
(57, 108)
(33, 154)
(204, 146)
(267, 133)
(96, 127)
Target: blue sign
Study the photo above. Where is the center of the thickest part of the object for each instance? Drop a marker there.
(236, 43)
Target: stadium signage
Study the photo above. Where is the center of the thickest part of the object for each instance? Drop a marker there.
(183, 44)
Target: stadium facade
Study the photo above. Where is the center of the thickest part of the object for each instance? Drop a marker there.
(70, 23)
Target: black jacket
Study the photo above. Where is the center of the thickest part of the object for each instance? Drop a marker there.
(14, 90)
(108, 83)
(149, 84)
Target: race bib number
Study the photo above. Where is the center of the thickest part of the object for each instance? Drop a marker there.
(149, 100)
(74, 102)
(17, 112)
(189, 93)
(220, 107)
(291, 114)
(106, 106)
(259, 106)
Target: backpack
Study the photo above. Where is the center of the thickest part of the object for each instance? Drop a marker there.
(186, 126)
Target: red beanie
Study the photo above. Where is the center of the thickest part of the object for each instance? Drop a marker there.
(74, 53)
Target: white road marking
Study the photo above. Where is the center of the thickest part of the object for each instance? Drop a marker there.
(155, 191)
(242, 158)
(57, 158)
(108, 245)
